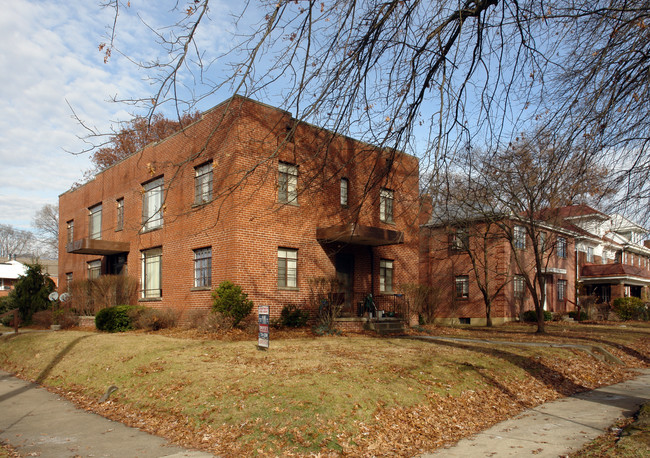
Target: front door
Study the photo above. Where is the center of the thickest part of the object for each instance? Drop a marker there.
(117, 264)
(344, 264)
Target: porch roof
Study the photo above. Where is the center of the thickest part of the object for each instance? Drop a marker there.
(614, 273)
(98, 247)
(357, 234)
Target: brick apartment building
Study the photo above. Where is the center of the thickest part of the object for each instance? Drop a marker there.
(463, 260)
(250, 195)
(585, 252)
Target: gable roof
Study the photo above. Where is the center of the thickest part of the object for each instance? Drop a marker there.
(12, 269)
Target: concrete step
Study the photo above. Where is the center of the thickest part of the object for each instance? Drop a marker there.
(386, 326)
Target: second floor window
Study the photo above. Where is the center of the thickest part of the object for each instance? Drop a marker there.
(287, 183)
(386, 205)
(519, 237)
(152, 201)
(119, 224)
(590, 254)
(561, 247)
(70, 230)
(203, 183)
(95, 222)
(460, 239)
(344, 192)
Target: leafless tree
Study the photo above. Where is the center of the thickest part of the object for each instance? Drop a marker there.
(15, 242)
(46, 222)
(426, 77)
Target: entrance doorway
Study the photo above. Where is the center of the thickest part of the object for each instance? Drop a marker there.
(344, 264)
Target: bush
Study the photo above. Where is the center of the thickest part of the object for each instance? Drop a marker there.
(117, 319)
(530, 316)
(630, 308)
(574, 314)
(91, 296)
(231, 302)
(293, 317)
(156, 319)
(5, 304)
(42, 319)
(31, 291)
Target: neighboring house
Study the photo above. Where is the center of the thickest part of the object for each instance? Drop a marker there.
(250, 195)
(9, 272)
(612, 258)
(464, 259)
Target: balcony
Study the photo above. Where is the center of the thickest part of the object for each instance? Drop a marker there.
(97, 247)
(357, 234)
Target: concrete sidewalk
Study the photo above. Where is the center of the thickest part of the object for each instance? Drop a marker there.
(39, 423)
(557, 428)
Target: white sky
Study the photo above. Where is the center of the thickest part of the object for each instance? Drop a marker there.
(49, 58)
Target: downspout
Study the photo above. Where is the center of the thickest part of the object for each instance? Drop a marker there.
(372, 270)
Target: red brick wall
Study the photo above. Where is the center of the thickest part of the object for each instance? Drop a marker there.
(245, 224)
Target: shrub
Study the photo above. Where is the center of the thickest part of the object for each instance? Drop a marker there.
(31, 291)
(574, 314)
(42, 318)
(5, 304)
(230, 301)
(630, 308)
(117, 319)
(91, 296)
(293, 317)
(156, 319)
(325, 298)
(530, 316)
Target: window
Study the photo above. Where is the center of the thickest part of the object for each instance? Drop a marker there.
(542, 242)
(152, 273)
(287, 183)
(287, 268)
(462, 286)
(460, 240)
(344, 192)
(203, 183)
(152, 215)
(519, 237)
(94, 269)
(590, 254)
(95, 222)
(385, 276)
(386, 205)
(203, 267)
(519, 286)
(603, 259)
(70, 229)
(68, 280)
(561, 247)
(561, 290)
(119, 224)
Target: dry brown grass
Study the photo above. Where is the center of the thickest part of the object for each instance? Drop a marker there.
(355, 395)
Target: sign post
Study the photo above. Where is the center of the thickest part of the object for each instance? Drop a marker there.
(263, 336)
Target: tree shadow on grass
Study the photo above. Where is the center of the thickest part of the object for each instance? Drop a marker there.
(47, 370)
(544, 374)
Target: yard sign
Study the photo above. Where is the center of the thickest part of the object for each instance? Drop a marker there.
(263, 338)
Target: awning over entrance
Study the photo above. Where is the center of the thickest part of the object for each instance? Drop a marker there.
(614, 273)
(99, 247)
(359, 235)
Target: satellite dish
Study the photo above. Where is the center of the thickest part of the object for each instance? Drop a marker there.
(65, 297)
(53, 296)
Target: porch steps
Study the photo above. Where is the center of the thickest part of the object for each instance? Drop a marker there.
(386, 326)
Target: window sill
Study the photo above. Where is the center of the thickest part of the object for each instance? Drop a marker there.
(146, 231)
(201, 204)
(391, 222)
(288, 288)
(201, 288)
(118, 230)
(289, 204)
(150, 299)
